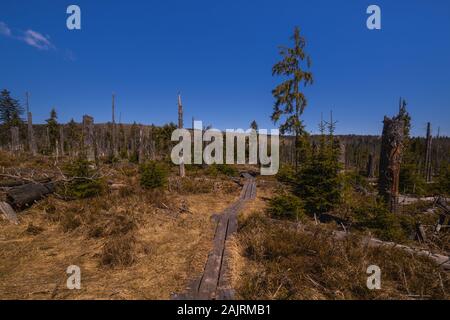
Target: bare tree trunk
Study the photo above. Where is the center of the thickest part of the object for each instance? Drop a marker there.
(15, 139)
(370, 166)
(88, 137)
(47, 139)
(31, 139)
(180, 125)
(114, 129)
(141, 145)
(390, 159)
(56, 151)
(428, 154)
(61, 139)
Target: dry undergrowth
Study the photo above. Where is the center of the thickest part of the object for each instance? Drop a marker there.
(129, 243)
(272, 260)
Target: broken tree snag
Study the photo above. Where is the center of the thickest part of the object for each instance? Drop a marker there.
(421, 235)
(370, 166)
(428, 154)
(141, 144)
(24, 196)
(61, 139)
(390, 160)
(114, 139)
(47, 138)
(15, 139)
(180, 125)
(88, 137)
(31, 140)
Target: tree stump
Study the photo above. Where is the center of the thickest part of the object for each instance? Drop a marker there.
(390, 159)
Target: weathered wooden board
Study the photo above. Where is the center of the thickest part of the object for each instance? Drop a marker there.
(214, 284)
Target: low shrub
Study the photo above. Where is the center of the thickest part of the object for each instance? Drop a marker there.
(375, 216)
(286, 174)
(153, 175)
(225, 169)
(82, 179)
(286, 206)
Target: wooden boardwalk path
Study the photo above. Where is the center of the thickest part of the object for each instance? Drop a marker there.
(213, 284)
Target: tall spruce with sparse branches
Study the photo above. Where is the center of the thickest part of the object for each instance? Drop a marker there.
(290, 101)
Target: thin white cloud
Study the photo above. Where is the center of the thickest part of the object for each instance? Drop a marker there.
(4, 30)
(37, 40)
(30, 37)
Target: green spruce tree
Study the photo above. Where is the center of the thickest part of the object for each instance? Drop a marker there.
(318, 182)
(290, 101)
(10, 110)
(52, 127)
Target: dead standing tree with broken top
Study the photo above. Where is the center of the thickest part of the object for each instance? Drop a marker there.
(88, 138)
(180, 126)
(392, 143)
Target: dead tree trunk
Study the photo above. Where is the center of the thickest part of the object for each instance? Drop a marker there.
(31, 140)
(88, 137)
(114, 129)
(428, 154)
(47, 139)
(370, 166)
(390, 160)
(15, 139)
(180, 125)
(61, 139)
(141, 144)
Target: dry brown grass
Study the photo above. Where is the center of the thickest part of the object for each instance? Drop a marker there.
(273, 260)
(131, 244)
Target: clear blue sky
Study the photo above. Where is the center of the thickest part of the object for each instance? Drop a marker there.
(219, 54)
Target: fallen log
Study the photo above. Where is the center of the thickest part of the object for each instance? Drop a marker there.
(440, 260)
(16, 181)
(11, 183)
(25, 195)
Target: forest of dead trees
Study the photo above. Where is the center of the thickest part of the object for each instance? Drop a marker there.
(138, 142)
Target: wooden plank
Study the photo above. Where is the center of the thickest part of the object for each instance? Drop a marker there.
(209, 282)
(214, 284)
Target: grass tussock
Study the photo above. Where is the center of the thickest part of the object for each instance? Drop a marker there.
(33, 229)
(284, 263)
(119, 251)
